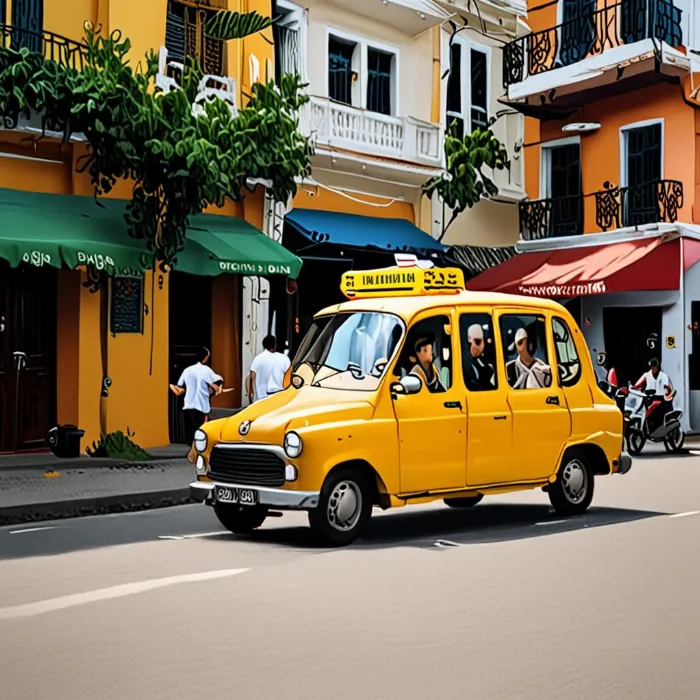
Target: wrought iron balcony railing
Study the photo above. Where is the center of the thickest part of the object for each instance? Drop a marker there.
(591, 33)
(52, 47)
(615, 207)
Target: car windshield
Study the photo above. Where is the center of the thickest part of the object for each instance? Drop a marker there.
(348, 350)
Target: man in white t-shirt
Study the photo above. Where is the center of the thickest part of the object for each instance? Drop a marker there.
(198, 383)
(267, 371)
(657, 381)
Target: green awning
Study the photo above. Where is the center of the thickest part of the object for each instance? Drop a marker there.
(71, 231)
(67, 231)
(224, 244)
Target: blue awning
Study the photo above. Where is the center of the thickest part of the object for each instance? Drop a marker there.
(385, 235)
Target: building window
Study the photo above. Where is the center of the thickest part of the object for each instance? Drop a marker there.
(126, 305)
(184, 36)
(561, 185)
(361, 74)
(27, 24)
(468, 90)
(642, 169)
(287, 33)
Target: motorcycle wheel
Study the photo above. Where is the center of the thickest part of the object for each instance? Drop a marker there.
(674, 441)
(635, 442)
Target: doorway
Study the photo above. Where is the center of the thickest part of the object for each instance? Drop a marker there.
(632, 337)
(642, 171)
(28, 25)
(562, 186)
(578, 32)
(27, 356)
(189, 329)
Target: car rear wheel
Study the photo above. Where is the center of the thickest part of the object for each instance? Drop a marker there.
(241, 520)
(572, 492)
(466, 502)
(344, 508)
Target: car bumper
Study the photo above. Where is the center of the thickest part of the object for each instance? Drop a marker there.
(203, 491)
(625, 464)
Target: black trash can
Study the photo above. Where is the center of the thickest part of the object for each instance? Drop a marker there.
(64, 441)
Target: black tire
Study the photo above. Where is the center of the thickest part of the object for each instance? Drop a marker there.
(466, 502)
(635, 442)
(572, 492)
(344, 485)
(241, 520)
(674, 442)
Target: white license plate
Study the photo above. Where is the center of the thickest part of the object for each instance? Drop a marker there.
(229, 494)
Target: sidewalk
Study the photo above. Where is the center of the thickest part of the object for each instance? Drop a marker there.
(43, 487)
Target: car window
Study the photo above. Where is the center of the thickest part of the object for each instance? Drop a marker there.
(427, 353)
(478, 352)
(568, 361)
(524, 338)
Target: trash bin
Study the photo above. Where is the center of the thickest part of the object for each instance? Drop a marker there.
(64, 441)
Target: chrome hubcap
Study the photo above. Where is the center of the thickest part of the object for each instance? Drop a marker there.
(574, 480)
(345, 506)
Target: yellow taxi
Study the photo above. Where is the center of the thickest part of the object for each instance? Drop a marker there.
(415, 390)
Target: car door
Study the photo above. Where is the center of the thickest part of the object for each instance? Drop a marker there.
(431, 422)
(489, 421)
(541, 420)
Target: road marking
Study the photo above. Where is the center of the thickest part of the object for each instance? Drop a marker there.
(550, 522)
(218, 533)
(126, 589)
(33, 529)
(684, 515)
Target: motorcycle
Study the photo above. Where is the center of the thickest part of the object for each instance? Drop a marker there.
(637, 408)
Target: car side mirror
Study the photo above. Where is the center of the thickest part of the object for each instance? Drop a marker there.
(410, 384)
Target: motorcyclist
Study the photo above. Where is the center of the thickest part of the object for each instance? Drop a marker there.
(657, 381)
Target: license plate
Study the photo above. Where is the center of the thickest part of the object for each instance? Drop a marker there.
(244, 497)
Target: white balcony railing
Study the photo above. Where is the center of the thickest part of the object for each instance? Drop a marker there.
(332, 124)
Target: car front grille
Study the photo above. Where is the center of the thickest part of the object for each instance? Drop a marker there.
(251, 466)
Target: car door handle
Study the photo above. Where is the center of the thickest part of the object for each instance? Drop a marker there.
(553, 400)
(453, 404)
(500, 417)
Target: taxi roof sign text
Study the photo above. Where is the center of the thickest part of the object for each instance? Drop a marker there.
(402, 282)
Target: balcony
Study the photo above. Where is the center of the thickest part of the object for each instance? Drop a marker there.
(613, 208)
(339, 126)
(619, 41)
(52, 47)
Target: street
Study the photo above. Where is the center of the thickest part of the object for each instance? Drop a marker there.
(504, 601)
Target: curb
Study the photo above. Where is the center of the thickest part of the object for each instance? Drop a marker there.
(101, 505)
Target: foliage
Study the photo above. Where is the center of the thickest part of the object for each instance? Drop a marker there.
(118, 446)
(179, 163)
(464, 183)
(227, 24)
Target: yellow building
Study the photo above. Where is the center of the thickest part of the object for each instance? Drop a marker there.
(60, 337)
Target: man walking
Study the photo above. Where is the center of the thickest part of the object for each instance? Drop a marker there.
(198, 383)
(267, 371)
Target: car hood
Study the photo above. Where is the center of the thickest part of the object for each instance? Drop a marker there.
(295, 409)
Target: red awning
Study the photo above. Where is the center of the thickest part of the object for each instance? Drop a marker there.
(635, 266)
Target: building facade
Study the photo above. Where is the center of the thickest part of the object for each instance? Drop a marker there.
(612, 137)
(102, 358)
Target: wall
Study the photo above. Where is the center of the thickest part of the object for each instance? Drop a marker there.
(692, 293)
(68, 19)
(414, 55)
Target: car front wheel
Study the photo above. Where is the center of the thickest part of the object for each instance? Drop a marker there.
(344, 508)
(241, 520)
(572, 492)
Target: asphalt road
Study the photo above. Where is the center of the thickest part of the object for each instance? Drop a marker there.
(505, 601)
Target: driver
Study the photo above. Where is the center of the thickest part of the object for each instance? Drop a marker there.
(425, 366)
(657, 381)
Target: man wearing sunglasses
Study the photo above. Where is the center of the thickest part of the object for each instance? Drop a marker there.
(479, 374)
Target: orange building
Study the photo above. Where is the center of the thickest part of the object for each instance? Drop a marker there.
(611, 225)
(102, 358)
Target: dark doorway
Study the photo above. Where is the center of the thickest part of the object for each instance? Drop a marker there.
(632, 338)
(190, 329)
(577, 30)
(566, 215)
(643, 175)
(28, 25)
(27, 356)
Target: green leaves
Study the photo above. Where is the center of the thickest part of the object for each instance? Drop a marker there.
(227, 25)
(465, 181)
(178, 163)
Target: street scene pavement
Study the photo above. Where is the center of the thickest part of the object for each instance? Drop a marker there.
(502, 601)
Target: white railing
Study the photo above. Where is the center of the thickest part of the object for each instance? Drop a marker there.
(332, 124)
(210, 87)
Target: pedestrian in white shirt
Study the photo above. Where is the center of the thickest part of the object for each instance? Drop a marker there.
(198, 383)
(267, 371)
(657, 381)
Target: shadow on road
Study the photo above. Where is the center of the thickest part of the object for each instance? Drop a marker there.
(482, 524)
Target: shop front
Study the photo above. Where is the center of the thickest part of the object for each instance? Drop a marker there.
(636, 299)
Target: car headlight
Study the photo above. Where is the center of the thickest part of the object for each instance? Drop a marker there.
(293, 445)
(200, 440)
